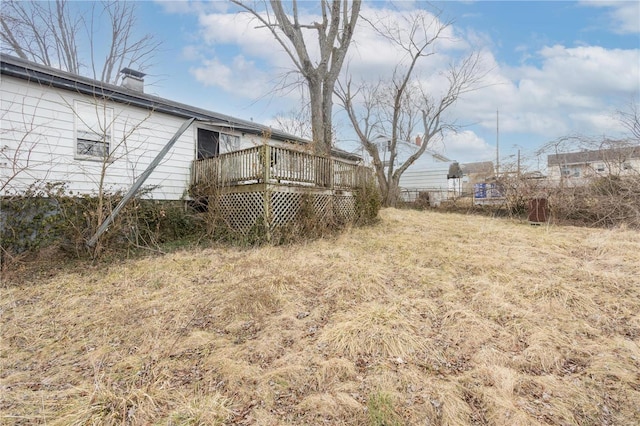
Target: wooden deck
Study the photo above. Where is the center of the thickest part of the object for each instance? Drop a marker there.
(271, 185)
(275, 165)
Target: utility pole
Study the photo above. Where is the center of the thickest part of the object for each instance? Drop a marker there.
(497, 143)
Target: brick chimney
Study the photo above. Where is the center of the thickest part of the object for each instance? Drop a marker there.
(418, 140)
(133, 79)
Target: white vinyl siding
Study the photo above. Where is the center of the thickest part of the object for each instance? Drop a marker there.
(39, 130)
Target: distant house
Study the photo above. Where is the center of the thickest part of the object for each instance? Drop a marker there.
(474, 173)
(576, 167)
(426, 177)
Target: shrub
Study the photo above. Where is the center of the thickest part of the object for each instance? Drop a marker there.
(605, 201)
(49, 215)
(368, 203)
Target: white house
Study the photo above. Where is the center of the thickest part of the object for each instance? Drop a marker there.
(59, 127)
(428, 174)
(577, 168)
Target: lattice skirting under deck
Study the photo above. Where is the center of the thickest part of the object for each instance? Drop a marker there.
(242, 211)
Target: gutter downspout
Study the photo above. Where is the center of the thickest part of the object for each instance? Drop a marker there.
(138, 183)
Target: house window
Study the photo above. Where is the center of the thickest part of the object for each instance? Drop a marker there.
(627, 166)
(569, 172)
(600, 167)
(209, 143)
(93, 126)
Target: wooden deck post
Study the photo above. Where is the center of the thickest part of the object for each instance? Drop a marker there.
(332, 171)
(266, 173)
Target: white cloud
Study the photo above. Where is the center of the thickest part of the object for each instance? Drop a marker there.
(240, 76)
(598, 122)
(191, 53)
(184, 7)
(243, 32)
(624, 15)
(592, 69)
(213, 73)
(568, 93)
(464, 146)
(370, 54)
(373, 56)
(562, 90)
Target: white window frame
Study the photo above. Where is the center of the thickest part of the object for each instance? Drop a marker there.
(93, 131)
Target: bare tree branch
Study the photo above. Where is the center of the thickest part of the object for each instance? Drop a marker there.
(393, 107)
(334, 35)
(49, 32)
(630, 119)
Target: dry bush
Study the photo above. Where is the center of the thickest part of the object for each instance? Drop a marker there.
(604, 188)
(519, 188)
(605, 201)
(424, 318)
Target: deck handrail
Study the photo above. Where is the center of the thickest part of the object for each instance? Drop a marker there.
(266, 163)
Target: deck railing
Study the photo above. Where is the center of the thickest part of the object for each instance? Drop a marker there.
(276, 165)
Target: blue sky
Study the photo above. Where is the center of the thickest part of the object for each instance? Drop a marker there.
(556, 68)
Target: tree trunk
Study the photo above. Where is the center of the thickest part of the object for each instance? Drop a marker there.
(316, 99)
(327, 112)
(390, 193)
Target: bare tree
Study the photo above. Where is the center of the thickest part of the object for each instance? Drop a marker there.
(50, 33)
(395, 108)
(335, 32)
(295, 121)
(630, 119)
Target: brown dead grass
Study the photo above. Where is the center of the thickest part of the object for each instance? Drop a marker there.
(425, 318)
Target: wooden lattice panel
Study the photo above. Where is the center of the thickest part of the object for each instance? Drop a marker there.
(284, 207)
(344, 207)
(241, 211)
(322, 204)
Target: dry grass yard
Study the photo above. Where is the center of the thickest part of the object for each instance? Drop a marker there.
(423, 319)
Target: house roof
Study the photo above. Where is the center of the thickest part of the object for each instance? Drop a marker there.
(479, 167)
(47, 76)
(586, 157)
